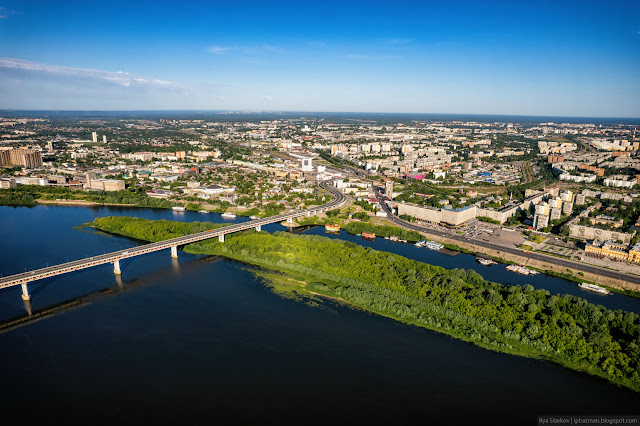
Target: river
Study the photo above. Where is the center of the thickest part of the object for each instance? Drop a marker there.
(201, 339)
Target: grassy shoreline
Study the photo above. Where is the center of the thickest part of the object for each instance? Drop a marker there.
(382, 231)
(448, 302)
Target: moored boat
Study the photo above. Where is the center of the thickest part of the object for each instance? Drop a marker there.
(332, 228)
(518, 269)
(203, 211)
(393, 238)
(368, 235)
(420, 243)
(179, 209)
(228, 215)
(484, 261)
(594, 287)
(432, 245)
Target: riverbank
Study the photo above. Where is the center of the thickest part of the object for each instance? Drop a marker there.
(512, 319)
(623, 287)
(615, 285)
(87, 203)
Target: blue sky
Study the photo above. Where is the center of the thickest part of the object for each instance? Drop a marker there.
(523, 58)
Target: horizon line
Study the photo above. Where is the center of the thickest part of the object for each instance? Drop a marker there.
(256, 111)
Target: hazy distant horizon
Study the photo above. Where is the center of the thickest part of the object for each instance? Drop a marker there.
(229, 114)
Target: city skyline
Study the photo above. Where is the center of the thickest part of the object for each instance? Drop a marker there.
(507, 59)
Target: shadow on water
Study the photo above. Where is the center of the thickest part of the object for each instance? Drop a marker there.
(120, 286)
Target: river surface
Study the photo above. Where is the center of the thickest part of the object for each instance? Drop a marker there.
(202, 339)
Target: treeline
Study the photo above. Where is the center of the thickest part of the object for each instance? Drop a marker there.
(382, 231)
(13, 199)
(150, 230)
(134, 196)
(513, 319)
(127, 197)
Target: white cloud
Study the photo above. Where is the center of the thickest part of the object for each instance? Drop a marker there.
(268, 98)
(5, 13)
(219, 50)
(30, 69)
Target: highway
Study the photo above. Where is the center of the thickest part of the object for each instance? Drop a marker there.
(23, 278)
(566, 263)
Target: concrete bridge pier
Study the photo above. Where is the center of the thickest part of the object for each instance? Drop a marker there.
(221, 238)
(116, 267)
(25, 292)
(290, 220)
(174, 252)
(258, 228)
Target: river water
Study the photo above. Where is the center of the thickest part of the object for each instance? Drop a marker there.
(202, 339)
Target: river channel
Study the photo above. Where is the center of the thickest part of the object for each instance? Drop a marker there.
(202, 338)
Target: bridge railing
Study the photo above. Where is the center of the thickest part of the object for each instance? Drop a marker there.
(114, 257)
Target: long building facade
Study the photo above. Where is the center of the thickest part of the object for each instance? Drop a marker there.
(458, 217)
(615, 250)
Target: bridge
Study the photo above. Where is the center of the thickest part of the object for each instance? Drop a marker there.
(172, 244)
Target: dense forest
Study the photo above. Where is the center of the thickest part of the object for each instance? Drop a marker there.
(514, 319)
(17, 199)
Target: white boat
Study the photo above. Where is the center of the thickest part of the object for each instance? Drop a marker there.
(593, 287)
(253, 217)
(179, 209)
(432, 245)
(518, 269)
(204, 211)
(484, 261)
(228, 215)
(420, 243)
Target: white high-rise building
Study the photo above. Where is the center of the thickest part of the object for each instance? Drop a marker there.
(94, 136)
(307, 165)
(104, 138)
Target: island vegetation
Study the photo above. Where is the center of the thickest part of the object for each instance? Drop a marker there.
(513, 319)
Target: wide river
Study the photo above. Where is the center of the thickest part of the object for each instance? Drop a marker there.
(200, 339)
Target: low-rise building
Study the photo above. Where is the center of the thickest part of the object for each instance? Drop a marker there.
(160, 193)
(7, 183)
(106, 184)
(615, 250)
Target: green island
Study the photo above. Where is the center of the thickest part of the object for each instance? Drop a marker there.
(518, 320)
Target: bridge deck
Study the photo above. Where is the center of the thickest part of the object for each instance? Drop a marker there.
(102, 259)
